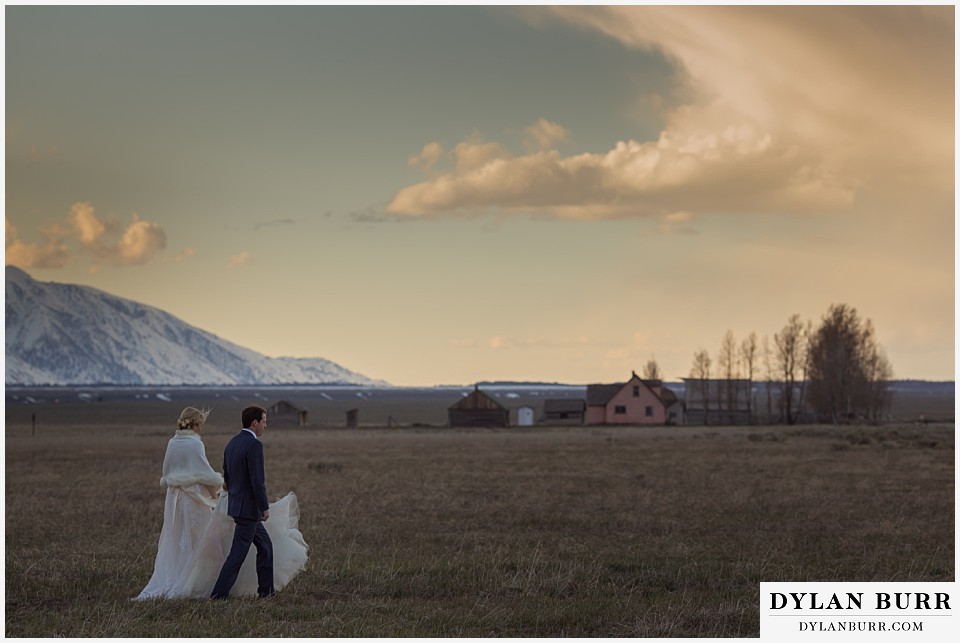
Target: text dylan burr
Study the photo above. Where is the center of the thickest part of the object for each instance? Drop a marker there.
(854, 601)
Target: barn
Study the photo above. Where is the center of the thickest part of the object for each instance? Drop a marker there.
(478, 409)
(635, 401)
(564, 411)
(286, 413)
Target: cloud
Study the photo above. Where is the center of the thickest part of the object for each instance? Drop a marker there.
(739, 169)
(429, 155)
(369, 214)
(676, 223)
(49, 152)
(499, 342)
(543, 135)
(185, 254)
(53, 253)
(790, 110)
(240, 260)
(89, 228)
(139, 242)
(273, 222)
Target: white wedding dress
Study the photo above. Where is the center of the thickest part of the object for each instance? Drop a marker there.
(197, 532)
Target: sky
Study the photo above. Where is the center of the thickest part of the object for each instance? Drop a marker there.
(443, 195)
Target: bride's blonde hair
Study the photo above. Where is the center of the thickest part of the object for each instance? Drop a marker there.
(192, 417)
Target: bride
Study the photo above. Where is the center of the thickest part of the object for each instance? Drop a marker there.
(197, 532)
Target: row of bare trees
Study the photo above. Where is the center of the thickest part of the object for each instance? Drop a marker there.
(837, 369)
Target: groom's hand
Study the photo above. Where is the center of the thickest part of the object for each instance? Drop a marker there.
(266, 514)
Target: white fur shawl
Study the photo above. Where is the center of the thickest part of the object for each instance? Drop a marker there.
(186, 462)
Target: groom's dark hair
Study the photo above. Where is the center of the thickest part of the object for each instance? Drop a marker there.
(251, 414)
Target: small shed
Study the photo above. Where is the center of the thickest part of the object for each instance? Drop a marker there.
(286, 413)
(478, 409)
(525, 416)
(353, 418)
(564, 411)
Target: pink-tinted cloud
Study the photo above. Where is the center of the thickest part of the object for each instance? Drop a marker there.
(138, 242)
(89, 228)
(52, 253)
(240, 260)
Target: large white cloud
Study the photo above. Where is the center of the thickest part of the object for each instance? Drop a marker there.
(793, 110)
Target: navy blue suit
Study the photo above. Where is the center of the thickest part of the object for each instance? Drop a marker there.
(247, 500)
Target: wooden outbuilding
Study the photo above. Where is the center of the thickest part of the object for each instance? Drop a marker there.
(478, 409)
(353, 418)
(564, 411)
(286, 413)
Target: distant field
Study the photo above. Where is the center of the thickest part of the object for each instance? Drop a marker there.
(432, 532)
(327, 406)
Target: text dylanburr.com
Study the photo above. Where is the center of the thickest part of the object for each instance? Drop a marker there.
(864, 611)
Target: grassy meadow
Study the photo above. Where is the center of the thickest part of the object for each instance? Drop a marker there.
(432, 532)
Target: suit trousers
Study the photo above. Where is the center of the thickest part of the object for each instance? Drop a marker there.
(246, 532)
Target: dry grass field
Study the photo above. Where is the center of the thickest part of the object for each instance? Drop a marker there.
(430, 532)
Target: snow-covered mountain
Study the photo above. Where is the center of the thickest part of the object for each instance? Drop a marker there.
(62, 334)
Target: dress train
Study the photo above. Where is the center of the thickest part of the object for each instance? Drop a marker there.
(199, 572)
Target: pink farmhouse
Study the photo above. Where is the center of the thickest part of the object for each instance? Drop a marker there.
(635, 402)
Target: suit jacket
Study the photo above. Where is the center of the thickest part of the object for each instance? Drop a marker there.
(243, 477)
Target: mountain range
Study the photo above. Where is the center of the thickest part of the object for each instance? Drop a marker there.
(62, 334)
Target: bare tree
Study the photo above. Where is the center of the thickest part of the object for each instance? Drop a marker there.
(748, 358)
(769, 372)
(727, 370)
(849, 372)
(651, 370)
(807, 333)
(791, 357)
(877, 375)
(700, 371)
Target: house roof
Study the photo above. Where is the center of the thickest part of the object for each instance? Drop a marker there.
(601, 394)
(293, 406)
(668, 396)
(476, 401)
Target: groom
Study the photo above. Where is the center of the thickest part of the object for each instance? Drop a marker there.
(247, 505)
